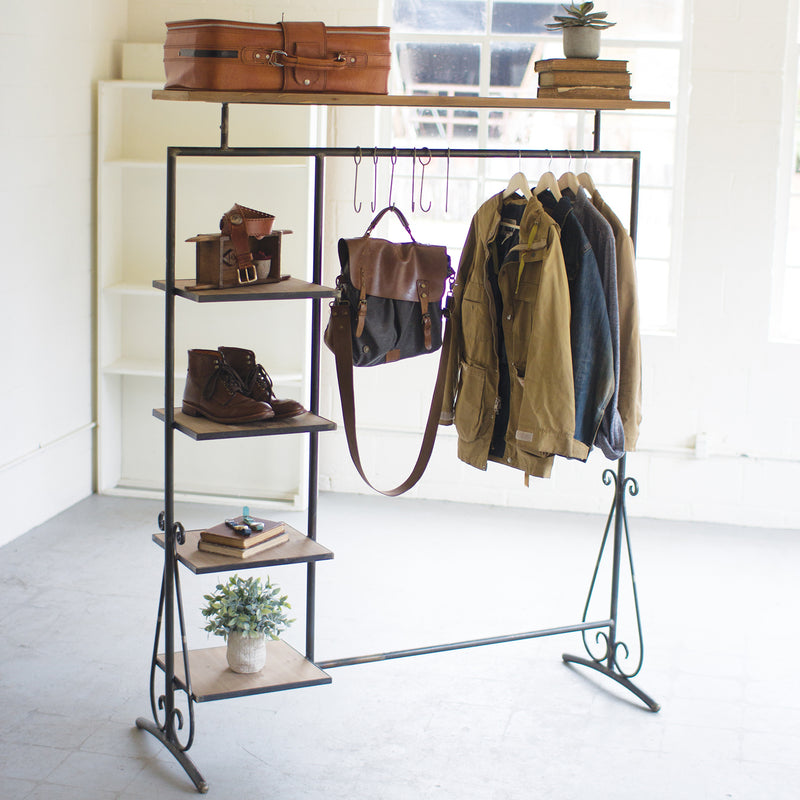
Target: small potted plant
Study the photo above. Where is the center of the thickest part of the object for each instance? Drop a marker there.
(243, 611)
(581, 37)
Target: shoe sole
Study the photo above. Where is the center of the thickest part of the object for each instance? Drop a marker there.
(192, 411)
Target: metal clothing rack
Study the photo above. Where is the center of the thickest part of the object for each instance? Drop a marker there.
(167, 721)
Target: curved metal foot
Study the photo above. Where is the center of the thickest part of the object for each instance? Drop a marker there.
(622, 680)
(180, 755)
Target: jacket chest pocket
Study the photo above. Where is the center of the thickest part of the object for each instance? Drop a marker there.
(519, 314)
(477, 327)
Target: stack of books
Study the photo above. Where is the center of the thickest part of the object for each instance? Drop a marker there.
(583, 78)
(223, 540)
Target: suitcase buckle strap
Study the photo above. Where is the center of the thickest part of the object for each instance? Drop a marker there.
(273, 58)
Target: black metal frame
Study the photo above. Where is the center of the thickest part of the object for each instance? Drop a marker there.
(607, 663)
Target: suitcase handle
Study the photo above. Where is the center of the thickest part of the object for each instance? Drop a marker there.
(280, 58)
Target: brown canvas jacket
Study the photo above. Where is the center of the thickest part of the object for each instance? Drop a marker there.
(629, 401)
(536, 318)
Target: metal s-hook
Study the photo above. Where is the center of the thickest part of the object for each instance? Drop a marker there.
(357, 160)
(427, 154)
(374, 204)
(413, 175)
(447, 183)
(391, 178)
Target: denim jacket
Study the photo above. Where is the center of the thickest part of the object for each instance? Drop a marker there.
(611, 436)
(592, 356)
(532, 289)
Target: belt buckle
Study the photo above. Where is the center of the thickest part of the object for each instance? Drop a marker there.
(246, 274)
(273, 58)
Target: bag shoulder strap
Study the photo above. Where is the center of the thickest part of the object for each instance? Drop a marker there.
(342, 348)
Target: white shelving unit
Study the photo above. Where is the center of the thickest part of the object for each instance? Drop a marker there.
(134, 132)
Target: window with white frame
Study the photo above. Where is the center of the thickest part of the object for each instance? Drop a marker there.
(488, 48)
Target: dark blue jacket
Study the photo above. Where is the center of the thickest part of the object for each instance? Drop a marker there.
(590, 334)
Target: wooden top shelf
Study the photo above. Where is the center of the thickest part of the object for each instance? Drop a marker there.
(414, 101)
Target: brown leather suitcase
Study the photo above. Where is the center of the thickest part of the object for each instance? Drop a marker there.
(222, 55)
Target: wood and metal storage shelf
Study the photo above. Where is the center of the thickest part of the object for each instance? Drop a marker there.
(202, 675)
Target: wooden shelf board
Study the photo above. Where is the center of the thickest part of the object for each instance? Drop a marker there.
(414, 101)
(299, 549)
(213, 679)
(290, 289)
(202, 429)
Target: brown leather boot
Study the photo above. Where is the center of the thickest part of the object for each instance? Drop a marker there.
(214, 390)
(257, 384)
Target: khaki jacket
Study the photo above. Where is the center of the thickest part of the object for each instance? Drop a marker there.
(536, 318)
(629, 401)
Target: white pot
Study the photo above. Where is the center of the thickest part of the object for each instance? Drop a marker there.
(246, 654)
(581, 42)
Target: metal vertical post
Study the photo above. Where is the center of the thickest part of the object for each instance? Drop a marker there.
(169, 419)
(596, 132)
(313, 446)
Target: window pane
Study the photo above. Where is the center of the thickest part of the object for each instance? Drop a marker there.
(439, 16)
(511, 67)
(513, 16)
(653, 286)
(433, 66)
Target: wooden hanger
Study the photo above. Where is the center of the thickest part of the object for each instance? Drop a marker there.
(518, 183)
(548, 181)
(585, 180)
(569, 181)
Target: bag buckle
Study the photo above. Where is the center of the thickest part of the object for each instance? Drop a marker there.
(246, 274)
(273, 58)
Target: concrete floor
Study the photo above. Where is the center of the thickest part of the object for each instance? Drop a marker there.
(720, 616)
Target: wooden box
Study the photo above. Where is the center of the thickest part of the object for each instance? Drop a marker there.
(217, 266)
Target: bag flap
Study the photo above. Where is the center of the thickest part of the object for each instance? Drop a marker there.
(387, 269)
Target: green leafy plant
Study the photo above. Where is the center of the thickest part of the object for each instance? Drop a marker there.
(580, 16)
(248, 606)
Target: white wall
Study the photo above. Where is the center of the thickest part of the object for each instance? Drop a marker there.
(51, 54)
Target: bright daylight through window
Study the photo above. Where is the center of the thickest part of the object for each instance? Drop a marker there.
(488, 48)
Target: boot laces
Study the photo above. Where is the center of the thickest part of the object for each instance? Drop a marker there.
(259, 377)
(230, 380)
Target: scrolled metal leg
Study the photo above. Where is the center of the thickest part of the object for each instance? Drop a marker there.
(609, 662)
(166, 731)
(180, 755)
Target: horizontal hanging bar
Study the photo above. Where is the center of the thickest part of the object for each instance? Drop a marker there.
(398, 152)
(442, 648)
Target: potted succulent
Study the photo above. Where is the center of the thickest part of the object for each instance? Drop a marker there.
(582, 26)
(244, 612)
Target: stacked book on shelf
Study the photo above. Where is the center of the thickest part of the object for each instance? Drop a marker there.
(224, 540)
(583, 79)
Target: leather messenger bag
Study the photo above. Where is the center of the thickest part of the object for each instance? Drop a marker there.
(220, 55)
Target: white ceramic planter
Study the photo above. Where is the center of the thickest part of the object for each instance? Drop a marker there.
(246, 655)
(581, 42)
